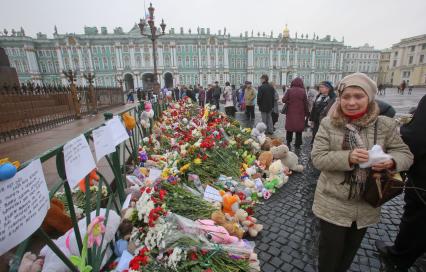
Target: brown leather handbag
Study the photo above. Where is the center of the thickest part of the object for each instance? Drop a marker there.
(380, 187)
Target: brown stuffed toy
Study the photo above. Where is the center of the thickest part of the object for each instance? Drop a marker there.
(232, 227)
(265, 159)
(30, 263)
(56, 220)
(276, 142)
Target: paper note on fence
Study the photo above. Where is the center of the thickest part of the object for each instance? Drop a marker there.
(119, 133)
(154, 174)
(78, 160)
(126, 202)
(24, 201)
(134, 180)
(212, 195)
(102, 139)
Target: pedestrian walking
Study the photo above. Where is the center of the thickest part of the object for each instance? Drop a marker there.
(209, 94)
(403, 86)
(311, 94)
(297, 109)
(229, 102)
(410, 243)
(217, 92)
(202, 96)
(241, 102)
(323, 102)
(265, 101)
(340, 145)
(249, 96)
(275, 111)
(410, 89)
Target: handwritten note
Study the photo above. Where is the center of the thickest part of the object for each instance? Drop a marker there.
(126, 202)
(78, 160)
(24, 201)
(212, 195)
(102, 139)
(134, 180)
(119, 133)
(154, 174)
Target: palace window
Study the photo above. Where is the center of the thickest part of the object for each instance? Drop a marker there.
(186, 61)
(195, 61)
(179, 60)
(410, 60)
(421, 58)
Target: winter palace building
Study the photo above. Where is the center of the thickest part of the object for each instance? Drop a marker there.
(185, 57)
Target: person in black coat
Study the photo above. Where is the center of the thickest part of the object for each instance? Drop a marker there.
(386, 109)
(410, 243)
(265, 101)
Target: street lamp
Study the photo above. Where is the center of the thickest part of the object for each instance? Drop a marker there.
(153, 36)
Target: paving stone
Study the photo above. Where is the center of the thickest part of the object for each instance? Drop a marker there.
(268, 268)
(287, 267)
(275, 261)
(274, 251)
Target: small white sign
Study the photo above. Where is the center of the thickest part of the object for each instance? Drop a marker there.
(102, 139)
(212, 195)
(154, 174)
(127, 202)
(24, 201)
(78, 160)
(134, 180)
(119, 133)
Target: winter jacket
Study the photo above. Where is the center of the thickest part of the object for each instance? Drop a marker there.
(227, 94)
(249, 96)
(331, 202)
(297, 106)
(386, 109)
(202, 95)
(321, 108)
(217, 91)
(276, 98)
(265, 97)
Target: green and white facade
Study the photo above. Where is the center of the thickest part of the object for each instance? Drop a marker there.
(182, 58)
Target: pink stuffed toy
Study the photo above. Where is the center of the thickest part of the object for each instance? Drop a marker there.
(146, 115)
(218, 233)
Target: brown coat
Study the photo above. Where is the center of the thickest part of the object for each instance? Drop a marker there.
(297, 106)
(331, 201)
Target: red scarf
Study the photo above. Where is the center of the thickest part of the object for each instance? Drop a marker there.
(355, 116)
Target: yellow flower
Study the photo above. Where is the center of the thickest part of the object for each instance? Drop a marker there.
(184, 168)
(166, 173)
(197, 161)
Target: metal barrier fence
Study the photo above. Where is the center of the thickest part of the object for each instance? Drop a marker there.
(125, 152)
(27, 109)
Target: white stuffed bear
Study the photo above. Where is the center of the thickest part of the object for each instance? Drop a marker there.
(147, 114)
(287, 157)
(276, 171)
(68, 243)
(258, 133)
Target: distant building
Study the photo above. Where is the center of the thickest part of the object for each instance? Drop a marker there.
(364, 59)
(185, 58)
(408, 61)
(384, 62)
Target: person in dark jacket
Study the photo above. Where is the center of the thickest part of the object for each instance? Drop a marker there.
(209, 96)
(322, 104)
(297, 109)
(410, 243)
(386, 109)
(202, 95)
(217, 91)
(265, 101)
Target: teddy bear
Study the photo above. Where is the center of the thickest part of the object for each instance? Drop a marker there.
(217, 234)
(258, 133)
(276, 142)
(146, 115)
(287, 157)
(67, 243)
(249, 223)
(232, 227)
(265, 159)
(277, 177)
(56, 220)
(30, 263)
(230, 203)
(129, 121)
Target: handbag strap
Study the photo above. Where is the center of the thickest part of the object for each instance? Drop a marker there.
(375, 131)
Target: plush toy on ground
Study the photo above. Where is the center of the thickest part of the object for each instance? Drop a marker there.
(258, 133)
(30, 263)
(147, 115)
(277, 177)
(232, 227)
(129, 121)
(230, 203)
(93, 176)
(287, 157)
(68, 243)
(265, 159)
(56, 220)
(249, 223)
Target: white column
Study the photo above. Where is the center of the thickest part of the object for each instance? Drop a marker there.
(296, 64)
(89, 50)
(60, 61)
(279, 58)
(80, 59)
(216, 49)
(312, 79)
(341, 61)
(284, 78)
(313, 58)
(208, 57)
(174, 56)
(70, 58)
(160, 56)
(288, 60)
(226, 61)
(132, 57)
(250, 58)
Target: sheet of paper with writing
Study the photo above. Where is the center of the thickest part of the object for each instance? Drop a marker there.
(24, 201)
(103, 142)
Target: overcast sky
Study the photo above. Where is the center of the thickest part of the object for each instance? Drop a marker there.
(378, 22)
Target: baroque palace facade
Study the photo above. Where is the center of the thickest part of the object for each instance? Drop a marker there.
(185, 58)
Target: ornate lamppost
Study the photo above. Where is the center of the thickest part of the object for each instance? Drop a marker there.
(92, 95)
(71, 76)
(153, 36)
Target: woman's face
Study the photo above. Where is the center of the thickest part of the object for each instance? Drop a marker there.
(353, 101)
(324, 90)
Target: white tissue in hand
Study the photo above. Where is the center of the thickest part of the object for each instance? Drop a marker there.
(375, 155)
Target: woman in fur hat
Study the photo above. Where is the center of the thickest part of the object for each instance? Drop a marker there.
(339, 147)
(323, 101)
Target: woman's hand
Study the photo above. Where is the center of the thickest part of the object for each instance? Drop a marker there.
(389, 164)
(358, 156)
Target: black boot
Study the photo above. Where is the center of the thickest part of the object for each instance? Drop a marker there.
(389, 261)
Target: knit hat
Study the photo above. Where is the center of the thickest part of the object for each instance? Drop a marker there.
(327, 84)
(359, 80)
(247, 82)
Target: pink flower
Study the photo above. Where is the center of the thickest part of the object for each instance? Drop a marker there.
(95, 230)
